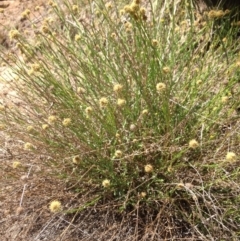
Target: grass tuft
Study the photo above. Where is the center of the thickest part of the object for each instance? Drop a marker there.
(139, 102)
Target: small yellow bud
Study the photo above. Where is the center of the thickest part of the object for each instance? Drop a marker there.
(118, 154)
(52, 3)
(198, 82)
(89, 110)
(45, 29)
(143, 194)
(106, 183)
(52, 119)
(55, 206)
(148, 168)
(154, 42)
(37, 8)
(75, 9)
(225, 99)
(14, 34)
(231, 156)
(25, 14)
(16, 164)
(45, 126)
(108, 6)
(77, 37)
(193, 144)
(76, 160)
(121, 102)
(66, 122)
(113, 35)
(145, 112)
(117, 88)
(166, 70)
(28, 146)
(103, 102)
(160, 87)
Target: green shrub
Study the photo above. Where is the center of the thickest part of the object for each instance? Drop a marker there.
(136, 101)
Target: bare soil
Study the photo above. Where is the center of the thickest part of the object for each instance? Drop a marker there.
(11, 16)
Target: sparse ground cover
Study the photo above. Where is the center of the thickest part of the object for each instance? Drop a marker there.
(124, 124)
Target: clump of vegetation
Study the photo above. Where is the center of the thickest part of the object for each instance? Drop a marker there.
(138, 102)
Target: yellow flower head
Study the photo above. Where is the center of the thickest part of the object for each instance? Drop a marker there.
(89, 110)
(76, 160)
(28, 146)
(52, 119)
(128, 9)
(37, 8)
(193, 144)
(103, 102)
(121, 102)
(36, 67)
(113, 35)
(118, 154)
(2, 107)
(166, 70)
(52, 3)
(66, 122)
(134, 7)
(143, 194)
(225, 99)
(55, 206)
(145, 112)
(45, 126)
(198, 82)
(16, 164)
(148, 168)
(108, 5)
(75, 9)
(117, 88)
(106, 183)
(231, 156)
(14, 34)
(160, 87)
(45, 29)
(154, 42)
(25, 14)
(77, 37)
